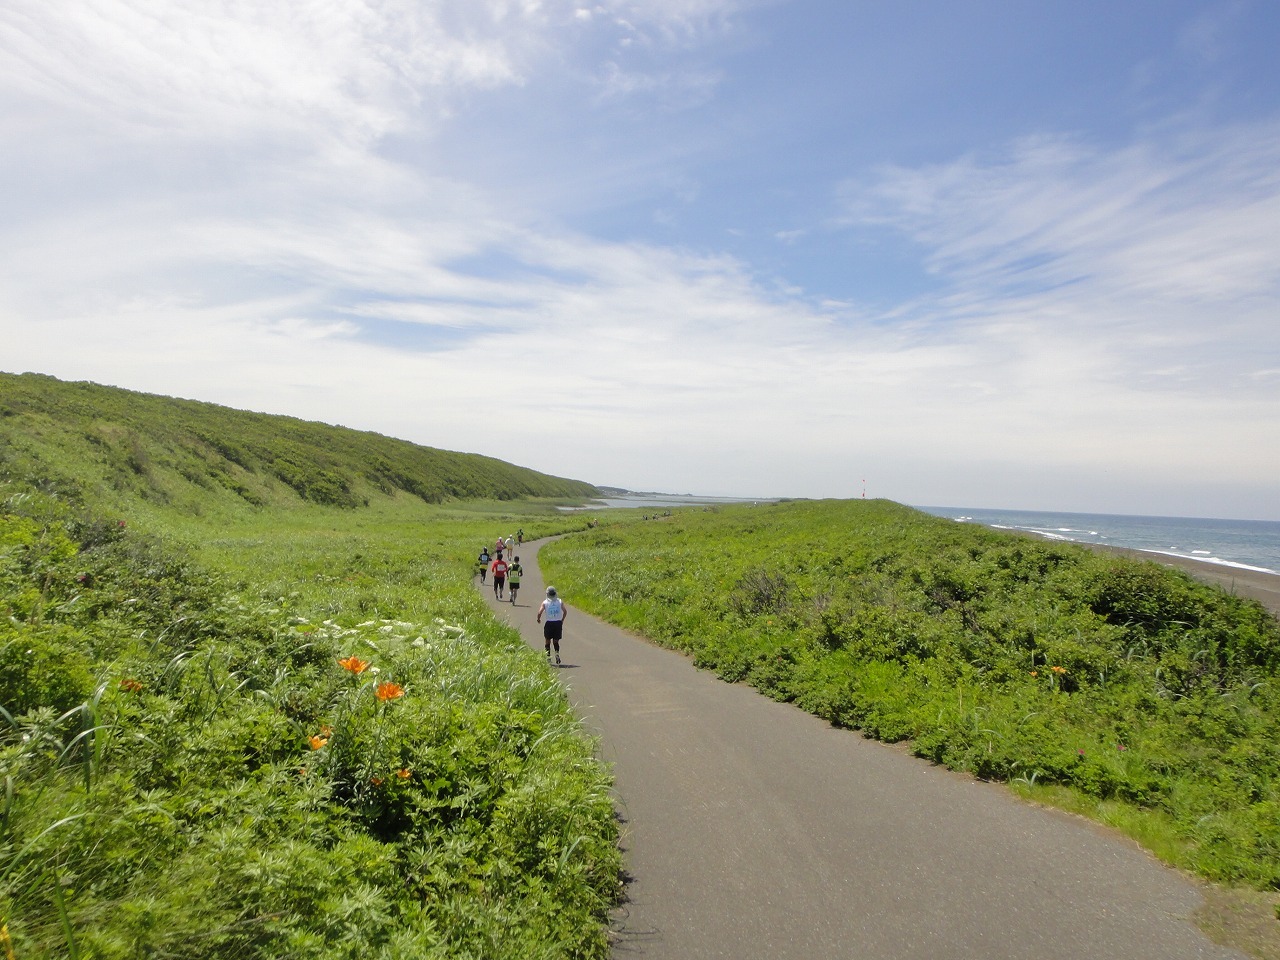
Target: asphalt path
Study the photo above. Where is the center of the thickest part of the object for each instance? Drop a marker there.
(754, 831)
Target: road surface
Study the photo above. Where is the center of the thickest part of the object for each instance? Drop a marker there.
(754, 831)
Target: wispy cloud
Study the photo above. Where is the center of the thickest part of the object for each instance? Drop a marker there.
(248, 205)
(1163, 245)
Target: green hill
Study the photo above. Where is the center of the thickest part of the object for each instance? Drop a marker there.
(115, 443)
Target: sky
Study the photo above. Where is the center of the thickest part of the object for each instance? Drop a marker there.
(987, 254)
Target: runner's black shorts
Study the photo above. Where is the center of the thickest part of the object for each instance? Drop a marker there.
(552, 629)
(499, 579)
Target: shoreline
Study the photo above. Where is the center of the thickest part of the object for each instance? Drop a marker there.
(1237, 581)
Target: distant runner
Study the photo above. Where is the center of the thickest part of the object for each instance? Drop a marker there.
(554, 609)
(499, 568)
(482, 563)
(513, 577)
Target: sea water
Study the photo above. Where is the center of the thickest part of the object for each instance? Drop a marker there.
(1245, 544)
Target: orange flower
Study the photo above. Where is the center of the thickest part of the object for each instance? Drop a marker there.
(354, 664)
(376, 781)
(388, 691)
(1035, 673)
(318, 741)
(1058, 669)
(133, 686)
(404, 774)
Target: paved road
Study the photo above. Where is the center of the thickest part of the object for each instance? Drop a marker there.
(754, 831)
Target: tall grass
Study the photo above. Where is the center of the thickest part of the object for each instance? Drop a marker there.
(187, 768)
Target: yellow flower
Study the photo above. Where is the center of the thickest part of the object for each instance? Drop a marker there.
(403, 774)
(317, 741)
(1058, 669)
(354, 664)
(1035, 673)
(388, 691)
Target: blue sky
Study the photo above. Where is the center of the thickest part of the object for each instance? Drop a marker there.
(981, 254)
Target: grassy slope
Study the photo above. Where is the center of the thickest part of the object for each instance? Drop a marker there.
(199, 456)
(1125, 690)
(161, 792)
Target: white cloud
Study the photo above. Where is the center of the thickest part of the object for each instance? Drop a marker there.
(1153, 248)
(212, 210)
(1119, 307)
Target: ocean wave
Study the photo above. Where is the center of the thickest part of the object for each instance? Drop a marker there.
(1216, 561)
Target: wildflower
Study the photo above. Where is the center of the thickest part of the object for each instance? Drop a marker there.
(1058, 669)
(388, 691)
(403, 774)
(354, 664)
(326, 730)
(376, 781)
(1035, 673)
(133, 686)
(1121, 746)
(1081, 752)
(317, 741)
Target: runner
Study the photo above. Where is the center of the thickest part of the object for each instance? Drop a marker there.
(482, 563)
(513, 577)
(499, 568)
(520, 536)
(556, 612)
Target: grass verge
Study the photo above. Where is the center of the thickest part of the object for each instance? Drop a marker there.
(284, 733)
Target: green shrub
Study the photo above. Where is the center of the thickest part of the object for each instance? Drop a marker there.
(187, 769)
(996, 654)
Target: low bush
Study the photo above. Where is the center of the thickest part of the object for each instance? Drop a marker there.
(227, 755)
(1010, 658)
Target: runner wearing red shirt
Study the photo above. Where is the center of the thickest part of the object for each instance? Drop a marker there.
(499, 570)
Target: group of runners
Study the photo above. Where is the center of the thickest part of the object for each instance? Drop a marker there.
(504, 574)
(506, 579)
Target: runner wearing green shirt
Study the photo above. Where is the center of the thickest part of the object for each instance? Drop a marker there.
(513, 577)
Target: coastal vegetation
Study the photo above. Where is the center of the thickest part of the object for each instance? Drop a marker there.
(251, 704)
(246, 716)
(1117, 688)
(185, 455)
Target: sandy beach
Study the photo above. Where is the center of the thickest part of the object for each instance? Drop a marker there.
(1263, 587)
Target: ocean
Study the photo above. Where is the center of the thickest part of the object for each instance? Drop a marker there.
(1245, 544)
